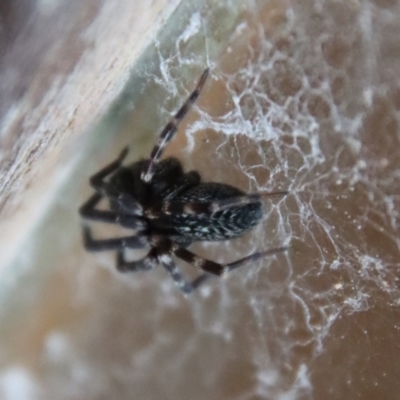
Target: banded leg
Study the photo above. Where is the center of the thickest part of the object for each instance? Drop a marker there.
(88, 210)
(131, 242)
(201, 263)
(170, 129)
(214, 206)
(254, 257)
(199, 280)
(127, 203)
(144, 264)
(217, 269)
(185, 286)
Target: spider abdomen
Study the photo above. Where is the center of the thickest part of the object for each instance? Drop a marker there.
(221, 225)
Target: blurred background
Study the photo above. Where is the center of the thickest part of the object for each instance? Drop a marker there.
(301, 97)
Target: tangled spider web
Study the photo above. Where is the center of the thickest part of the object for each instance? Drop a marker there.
(312, 108)
(305, 98)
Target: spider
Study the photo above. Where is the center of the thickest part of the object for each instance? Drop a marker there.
(169, 209)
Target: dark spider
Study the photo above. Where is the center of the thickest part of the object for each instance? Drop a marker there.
(169, 209)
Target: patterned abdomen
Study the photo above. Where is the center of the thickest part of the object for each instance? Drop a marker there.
(221, 225)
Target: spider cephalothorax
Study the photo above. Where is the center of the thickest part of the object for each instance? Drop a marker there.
(169, 209)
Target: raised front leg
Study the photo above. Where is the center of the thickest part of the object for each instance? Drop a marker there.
(170, 129)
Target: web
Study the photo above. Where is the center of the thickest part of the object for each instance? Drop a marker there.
(311, 105)
(305, 97)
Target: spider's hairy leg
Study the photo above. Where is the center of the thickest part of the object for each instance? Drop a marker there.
(127, 203)
(170, 129)
(199, 280)
(131, 242)
(185, 286)
(254, 257)
(88, 211)
(186, 181)
(162, 249)
(144, 264)
(208, 266)
(97, 180)
(217, 269)
(149, 262)
(217, 205)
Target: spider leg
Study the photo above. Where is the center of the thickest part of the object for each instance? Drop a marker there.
(131, 242)
(144, 264)
(185, 286)
(126, 201)
(200, 280)
(97, 180)
(214, 206)
(208, 266)
(170, 129)
(217, 269)
(254, 257)
(89, 211)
